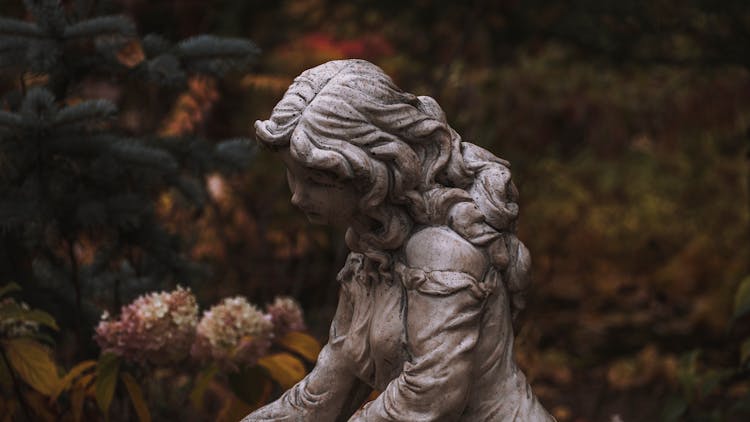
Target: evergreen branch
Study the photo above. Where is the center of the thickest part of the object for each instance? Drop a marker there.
(38, 102)
(127, 210)
(129, 151)
(12, 51)
(15, 213)
(102, 258)
(207, 53)
(50, 272)
(207, 47)
(85, 145)
(91, 214)
(162, 247)
(154, 45)
(165, 69)
(101, 26)
(14, 28)
(10, 45)
(11, 59)
(191, 190)
(235, 153)
(49, 14)
(43, 56)
(87, 111)
(194, 154)
(10, 121)
(135, 153)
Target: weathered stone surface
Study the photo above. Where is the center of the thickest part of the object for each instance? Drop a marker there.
(436, 273)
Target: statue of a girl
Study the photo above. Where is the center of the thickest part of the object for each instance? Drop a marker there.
(436, 273)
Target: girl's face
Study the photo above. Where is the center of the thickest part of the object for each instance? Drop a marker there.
(320, 195)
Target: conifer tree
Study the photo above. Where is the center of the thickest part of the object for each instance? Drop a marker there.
(71, 177)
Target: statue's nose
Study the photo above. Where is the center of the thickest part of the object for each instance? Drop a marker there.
(298, 198)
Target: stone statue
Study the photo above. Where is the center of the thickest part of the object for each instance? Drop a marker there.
(436, 274)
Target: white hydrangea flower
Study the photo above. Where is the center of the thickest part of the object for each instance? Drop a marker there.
(233, 332)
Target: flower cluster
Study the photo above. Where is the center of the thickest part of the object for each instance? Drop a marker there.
(163, 328)
(157, 328)
(286, 316)
(233, 333)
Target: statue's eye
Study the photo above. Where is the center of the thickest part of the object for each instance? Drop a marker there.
(323, 178)
(323, 184)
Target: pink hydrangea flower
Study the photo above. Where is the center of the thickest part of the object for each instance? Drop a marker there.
(286, 316)
(157, 328)
(233, 333)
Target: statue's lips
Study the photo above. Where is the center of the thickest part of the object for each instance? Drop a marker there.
(313, 216)
(308, 210)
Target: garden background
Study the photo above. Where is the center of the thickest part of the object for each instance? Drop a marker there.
(627, 124)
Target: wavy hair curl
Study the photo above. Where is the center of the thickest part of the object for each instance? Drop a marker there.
(349, 118)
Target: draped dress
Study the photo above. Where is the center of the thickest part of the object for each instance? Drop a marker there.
(435, 339)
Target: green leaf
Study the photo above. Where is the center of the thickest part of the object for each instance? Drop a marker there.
(248, 384)
(106, 380)
(33, 363)
(673, 409)
(77, 397)
(44, 338)
(283, 368)
(85, 382)
(41, 317)
(74, 373)
(136, 396)
(201, 384)
(12, 310)
(6, 381)
(742, 299)
(711, 381)
(8, 288)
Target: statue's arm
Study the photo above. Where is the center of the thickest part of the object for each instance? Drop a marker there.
(329, 393)
(443, 316)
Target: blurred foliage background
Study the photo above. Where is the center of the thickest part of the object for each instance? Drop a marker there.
(628, 128)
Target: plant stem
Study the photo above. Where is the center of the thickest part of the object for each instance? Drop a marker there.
(77, 287)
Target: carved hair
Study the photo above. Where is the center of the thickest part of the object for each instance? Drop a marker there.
(349, 118)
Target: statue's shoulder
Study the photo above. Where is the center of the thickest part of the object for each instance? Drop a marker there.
(439, 248)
